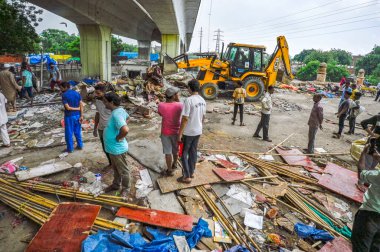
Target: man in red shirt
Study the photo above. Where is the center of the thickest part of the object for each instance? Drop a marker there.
(170, 111)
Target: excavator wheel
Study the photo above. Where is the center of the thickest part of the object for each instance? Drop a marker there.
(209, 91)
(254, 87)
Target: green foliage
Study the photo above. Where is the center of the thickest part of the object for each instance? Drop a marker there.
(73, 47)
(308, 72)
(341, 57)
(17, 34)
(116, 45)
(335, 73)
(57, 41)
(370, 62)
(130, 48)
(303, 54)
(320, 56)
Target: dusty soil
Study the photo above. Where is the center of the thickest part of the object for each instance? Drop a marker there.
(218, 134)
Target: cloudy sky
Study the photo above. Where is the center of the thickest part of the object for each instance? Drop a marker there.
(352, 25)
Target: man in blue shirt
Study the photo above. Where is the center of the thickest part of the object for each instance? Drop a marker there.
(73, 105)
(346, 87)
(115, 143)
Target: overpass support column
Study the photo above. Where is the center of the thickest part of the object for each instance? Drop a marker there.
(144, 49)
(170, 44)
(95, 51)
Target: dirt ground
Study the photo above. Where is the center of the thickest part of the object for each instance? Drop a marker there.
(219, 134)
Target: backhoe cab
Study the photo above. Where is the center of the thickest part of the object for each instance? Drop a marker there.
(248, 63)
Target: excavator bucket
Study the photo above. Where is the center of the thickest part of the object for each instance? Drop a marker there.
(170, 66)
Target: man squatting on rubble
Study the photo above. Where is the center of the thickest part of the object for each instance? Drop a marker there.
(3, 122)
(115, 143)
(266, 108)
(72, 102)
(101, 117)
(170, 111)
(315, 122)
(193, 114)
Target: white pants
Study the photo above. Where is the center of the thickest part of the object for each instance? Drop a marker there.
(4, 134)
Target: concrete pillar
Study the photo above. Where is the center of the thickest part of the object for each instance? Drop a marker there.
(95, 51)
(144, 49)
(170, 44)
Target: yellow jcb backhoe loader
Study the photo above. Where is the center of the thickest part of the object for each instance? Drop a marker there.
(239, 62)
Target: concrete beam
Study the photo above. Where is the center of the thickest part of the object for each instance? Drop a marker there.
(95, 51)
(144, 49)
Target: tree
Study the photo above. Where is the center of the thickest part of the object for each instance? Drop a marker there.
(303, 54)
(57, 41)
(320, 56)
(130, 48)
(342, 57)
(17, 21)
(73, 47)
(116, 45)
(309, 72)
(370, 61)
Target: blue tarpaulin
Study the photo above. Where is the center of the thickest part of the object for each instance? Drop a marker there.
(135, 55)
(305, 231)
(36, 59)
(163, 241)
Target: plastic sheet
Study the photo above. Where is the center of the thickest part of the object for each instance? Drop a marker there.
(305, 231)
(238, 248)
(115, 240)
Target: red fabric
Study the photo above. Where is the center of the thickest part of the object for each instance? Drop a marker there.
(171, 117)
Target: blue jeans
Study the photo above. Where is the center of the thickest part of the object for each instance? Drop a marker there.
(73, 126)
(28, 90)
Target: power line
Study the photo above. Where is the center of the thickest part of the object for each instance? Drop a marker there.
(218, 39)
(325, 27)
(209, 24)
(314, 17)
(292, 14)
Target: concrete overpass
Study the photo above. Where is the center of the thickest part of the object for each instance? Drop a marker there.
(170, 22)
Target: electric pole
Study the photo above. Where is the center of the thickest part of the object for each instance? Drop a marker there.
(218, 38)
(200, 40)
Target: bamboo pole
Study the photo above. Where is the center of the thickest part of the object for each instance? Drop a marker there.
(279, 144)
(263, 153)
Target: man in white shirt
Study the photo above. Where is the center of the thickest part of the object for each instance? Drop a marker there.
(3, 122)
(193, 113)
(266, 109)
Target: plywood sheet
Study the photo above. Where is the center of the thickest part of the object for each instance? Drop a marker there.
(225, 163)
(158, 218)
(229, 175)
(67, 227)
(341, 181)
(203, 175)
(337, 245)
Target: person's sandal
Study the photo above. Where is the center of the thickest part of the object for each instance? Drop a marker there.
(242, 124)
(184, 180)
(5, 145)
(169, 173)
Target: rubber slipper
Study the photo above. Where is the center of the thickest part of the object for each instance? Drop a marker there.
(182, 180)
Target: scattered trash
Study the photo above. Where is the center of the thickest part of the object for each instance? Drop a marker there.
(252, 220)
(305, 231)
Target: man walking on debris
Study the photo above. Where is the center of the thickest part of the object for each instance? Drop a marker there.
(346, 87)
(193, 113)
(366, 228)
(239, 96)
(342, 113)
(3, 122)
(27, 83)
(116, 145)
(353, 113)
(55, 76)
(170, 111)
(315, 122)
(73, 105)
(266, 109)
(101, 117)
(9, 87)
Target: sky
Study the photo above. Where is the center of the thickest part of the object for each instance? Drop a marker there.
(352, 25)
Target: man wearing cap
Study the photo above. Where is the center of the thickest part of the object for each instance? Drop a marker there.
(8, 86)
(170, 111)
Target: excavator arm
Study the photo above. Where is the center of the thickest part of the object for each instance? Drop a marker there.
(281, 52)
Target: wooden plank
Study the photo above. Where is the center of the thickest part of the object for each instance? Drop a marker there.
(225, 163)
(229, 175)
(341, 181)
(337, 245)
(68, 225)
(42, 170)
(203, 175)
(158, 218)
